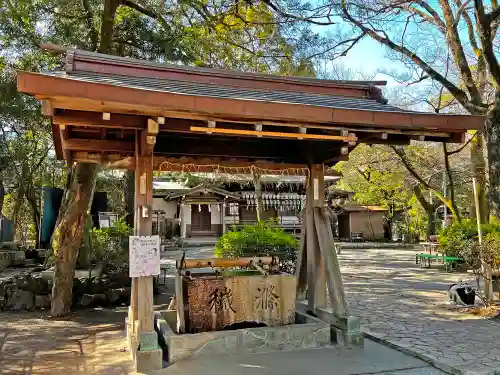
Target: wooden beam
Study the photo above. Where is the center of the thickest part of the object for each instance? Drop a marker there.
(364, 135)
(261, 133)
(56, 136)
(344, 129)
(47, 108)
(94, 119)
(63, 136)
(96, 145)
(71, 103)
(148, 137)
(334, 278)
(113, 161)
(156, 103)
(301, 268)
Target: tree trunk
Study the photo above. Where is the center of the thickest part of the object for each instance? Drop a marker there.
(18, 202)
(431, 224)
(130, 198)
(492, 135)
(67, 237)
(31, 197)
(258, 195)
(107, 25)
(84, 254)
(2, 196)
(479, 169)
(451, 184)
(429, 208)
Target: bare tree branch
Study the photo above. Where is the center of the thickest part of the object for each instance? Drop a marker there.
(493, 15)
(456, 46)
(94, 38)
(485, 35)
(462, 9)
(423, 77)
(146, 12)
(437, 21)
(298, 18)
(458, 93)
(352, 42)
(463, 146)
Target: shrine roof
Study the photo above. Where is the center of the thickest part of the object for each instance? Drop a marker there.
(229, 92)
(216, 118)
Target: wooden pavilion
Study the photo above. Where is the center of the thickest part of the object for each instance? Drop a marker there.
(133, 114)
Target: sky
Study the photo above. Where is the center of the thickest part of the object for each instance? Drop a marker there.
(368, 56)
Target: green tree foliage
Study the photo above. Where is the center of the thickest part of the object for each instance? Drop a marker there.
(109, 246)
(412, 190)
(376, 177)
(243, 36)
(26, 154)
(239, 36)
(454, 240)
(262, 239)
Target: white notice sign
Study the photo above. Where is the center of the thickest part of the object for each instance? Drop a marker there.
(144, 254)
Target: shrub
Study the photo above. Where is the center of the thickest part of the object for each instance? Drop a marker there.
(262, 239)
(473, 254)
(109, 246)
(491, 249)
(456, 238)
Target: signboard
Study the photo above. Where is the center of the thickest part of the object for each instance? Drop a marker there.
(144, 254)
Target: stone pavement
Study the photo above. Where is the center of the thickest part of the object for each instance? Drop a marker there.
(372, 359)
(87, 342)
(404, 305)
(399, 303)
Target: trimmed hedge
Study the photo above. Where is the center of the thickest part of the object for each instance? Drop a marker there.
(262, 239)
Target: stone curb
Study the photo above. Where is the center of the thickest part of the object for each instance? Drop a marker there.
(433, 362)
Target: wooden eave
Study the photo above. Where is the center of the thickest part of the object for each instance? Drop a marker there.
(67, 93)
(201, 119)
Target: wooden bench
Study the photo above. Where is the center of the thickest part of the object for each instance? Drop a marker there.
(425, 260)
(357, 237)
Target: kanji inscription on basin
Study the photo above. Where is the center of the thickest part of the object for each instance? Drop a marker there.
(214, 303)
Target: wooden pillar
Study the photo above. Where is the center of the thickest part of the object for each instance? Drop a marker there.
(148, 355)
(301, 268)
(223, 216)
(144, 226)
(316, 281)
(310, 245)
(318, 174)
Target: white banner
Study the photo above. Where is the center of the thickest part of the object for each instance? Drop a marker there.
(144, 254)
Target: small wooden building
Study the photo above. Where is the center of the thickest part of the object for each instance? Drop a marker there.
(368, 220)
(208, 211)
(146, 116)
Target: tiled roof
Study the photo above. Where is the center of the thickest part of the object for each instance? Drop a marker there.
(227, 92)
(93, 58)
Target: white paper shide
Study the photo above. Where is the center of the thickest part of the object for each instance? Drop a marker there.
(144, 254)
